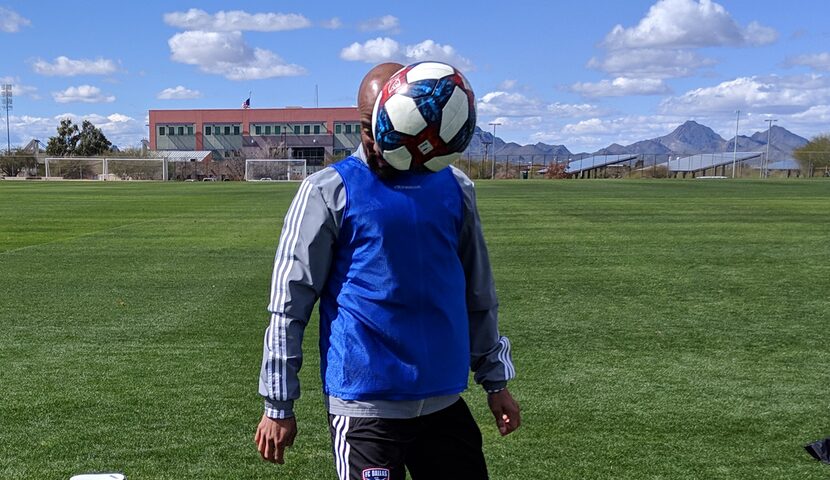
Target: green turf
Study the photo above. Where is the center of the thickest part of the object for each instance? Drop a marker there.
(661, 329)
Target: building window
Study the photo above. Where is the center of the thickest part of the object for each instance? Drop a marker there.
(357, 128)
(207, 129)
(236, 129)
(338, 128)
(180, 131)
(348, 128)
(267, 129)
(276, 129)
(296, 129)
(227, 129)
(306, 129)
(171, 130)
(316, 129)
(258, 130)
(190, 129)
(161, 130)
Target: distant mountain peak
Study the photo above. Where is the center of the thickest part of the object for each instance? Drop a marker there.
(690, 137)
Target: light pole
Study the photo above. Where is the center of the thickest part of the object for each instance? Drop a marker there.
(493, 174)
(7, 104)
(735, 150)
(770, 121)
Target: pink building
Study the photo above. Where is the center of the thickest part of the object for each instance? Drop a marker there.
(310, 133)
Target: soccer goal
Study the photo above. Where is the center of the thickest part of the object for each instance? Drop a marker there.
(275, 170)
(136, 169)
(74, 168)
(88, 168)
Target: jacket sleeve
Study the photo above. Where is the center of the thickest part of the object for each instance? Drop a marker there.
(301, 266)
(490, 355)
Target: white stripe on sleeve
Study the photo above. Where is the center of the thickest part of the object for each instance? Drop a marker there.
(284, 257)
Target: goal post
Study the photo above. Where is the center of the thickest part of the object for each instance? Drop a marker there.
(279, 169)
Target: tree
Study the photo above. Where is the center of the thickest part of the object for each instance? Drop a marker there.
(11, 165)
(88, 141)
(63, 144)
(91, 141)
(815, 154)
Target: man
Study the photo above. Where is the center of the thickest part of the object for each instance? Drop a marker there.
(407, 307)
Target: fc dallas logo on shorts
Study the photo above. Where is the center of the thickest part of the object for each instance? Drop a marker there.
(375, 473)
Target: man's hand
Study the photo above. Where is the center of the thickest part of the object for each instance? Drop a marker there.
(506, 411)
(272, 436)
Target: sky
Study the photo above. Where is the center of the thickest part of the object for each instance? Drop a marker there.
(581, 74)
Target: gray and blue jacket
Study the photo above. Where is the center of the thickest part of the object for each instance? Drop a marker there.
(407, 298)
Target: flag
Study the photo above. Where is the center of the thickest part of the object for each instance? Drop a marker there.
(247, 103)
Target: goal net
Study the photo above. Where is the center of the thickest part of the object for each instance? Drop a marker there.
(276, 170)
(136, 169)
(79, 168)
(74, 168)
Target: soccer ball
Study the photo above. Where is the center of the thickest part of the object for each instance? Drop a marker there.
(424, 116)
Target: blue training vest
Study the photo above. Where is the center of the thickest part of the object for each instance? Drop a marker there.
(393, 314)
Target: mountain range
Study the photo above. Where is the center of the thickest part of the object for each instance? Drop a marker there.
(689, 138)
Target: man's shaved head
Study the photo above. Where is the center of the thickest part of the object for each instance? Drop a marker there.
(369, 90)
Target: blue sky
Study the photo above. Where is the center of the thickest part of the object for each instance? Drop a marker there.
(583, 74)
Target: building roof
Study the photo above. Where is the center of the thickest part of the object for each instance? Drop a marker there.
(180, 155)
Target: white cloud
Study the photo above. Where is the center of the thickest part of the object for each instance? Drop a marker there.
(386, 23)
(620, 87)
(373, 51)
(572, 110)
(331, 24)
(11, 21)
(18, 89)
(84, 94)
(816, 61)
(384, 49)
(770, 94)
(178, 93)
(226, 53)
(688, 24)
(660, 45)
(813, 115)
(120, 129)
(651, 63)
(524, 123)
(236, 21)
(429, 50)
(508, 104)
(67, 67)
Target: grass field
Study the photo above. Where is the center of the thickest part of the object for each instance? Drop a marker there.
(661, 329)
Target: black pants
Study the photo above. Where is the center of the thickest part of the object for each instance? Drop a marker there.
(444, 444)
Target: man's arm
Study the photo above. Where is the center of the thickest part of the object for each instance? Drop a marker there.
(490, 354)
(301, 267)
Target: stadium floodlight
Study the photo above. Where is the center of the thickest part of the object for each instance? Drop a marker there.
(276, 169)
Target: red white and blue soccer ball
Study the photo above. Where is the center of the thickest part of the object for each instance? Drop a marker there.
(424, 117)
